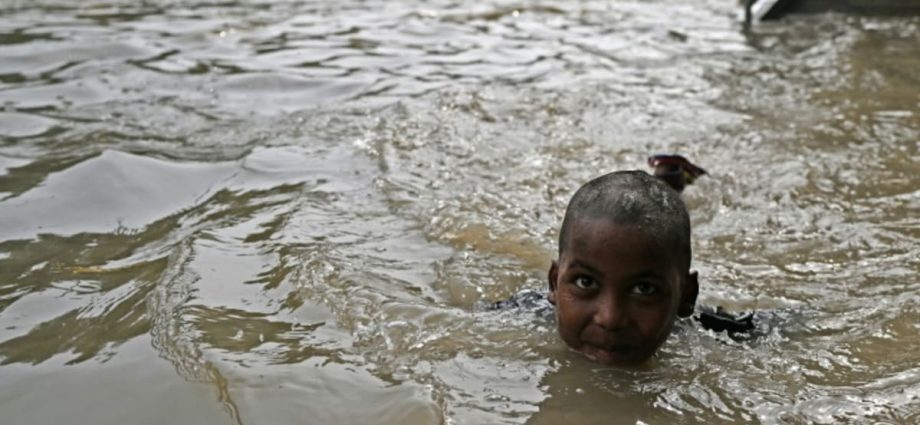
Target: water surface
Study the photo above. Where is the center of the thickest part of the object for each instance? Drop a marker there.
(283, 212)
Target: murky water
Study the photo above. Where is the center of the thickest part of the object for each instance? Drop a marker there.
(291, 211)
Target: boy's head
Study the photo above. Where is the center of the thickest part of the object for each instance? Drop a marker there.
(623, 273)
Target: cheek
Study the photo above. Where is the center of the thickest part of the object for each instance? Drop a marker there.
(655, 323)
(570, 318)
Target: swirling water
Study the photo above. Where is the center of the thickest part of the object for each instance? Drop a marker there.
(291, 211)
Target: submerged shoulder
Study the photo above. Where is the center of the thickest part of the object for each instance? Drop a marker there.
(526, 301)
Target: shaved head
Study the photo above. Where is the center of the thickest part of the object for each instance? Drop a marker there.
(633, 198)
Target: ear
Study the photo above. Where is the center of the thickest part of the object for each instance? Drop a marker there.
(552, 276)
(688, 295)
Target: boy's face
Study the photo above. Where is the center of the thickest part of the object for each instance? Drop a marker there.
(617, 292)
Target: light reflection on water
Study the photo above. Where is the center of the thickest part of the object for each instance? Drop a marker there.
(291, 211)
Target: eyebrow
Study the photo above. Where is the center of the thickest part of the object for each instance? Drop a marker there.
(640, 275)
(583, 265)
(648, 274)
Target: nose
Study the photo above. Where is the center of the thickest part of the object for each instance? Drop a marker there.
(611, 313)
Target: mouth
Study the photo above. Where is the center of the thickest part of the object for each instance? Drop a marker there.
(611, 355)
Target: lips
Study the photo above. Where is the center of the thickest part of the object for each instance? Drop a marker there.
(611, 354)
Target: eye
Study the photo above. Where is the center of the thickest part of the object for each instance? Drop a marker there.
(644, 289)
(585, 282)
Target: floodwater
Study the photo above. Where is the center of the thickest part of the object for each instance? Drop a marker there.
(292, 212)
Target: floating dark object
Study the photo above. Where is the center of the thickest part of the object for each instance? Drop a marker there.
(718, 320)
(675, 170)
(758, 10)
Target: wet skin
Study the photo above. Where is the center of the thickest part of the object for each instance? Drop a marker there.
(617, 292)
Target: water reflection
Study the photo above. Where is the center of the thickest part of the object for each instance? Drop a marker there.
(271, 211)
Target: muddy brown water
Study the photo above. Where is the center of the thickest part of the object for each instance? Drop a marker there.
(254, 212)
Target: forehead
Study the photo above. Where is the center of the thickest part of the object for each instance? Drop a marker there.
(599, 240)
